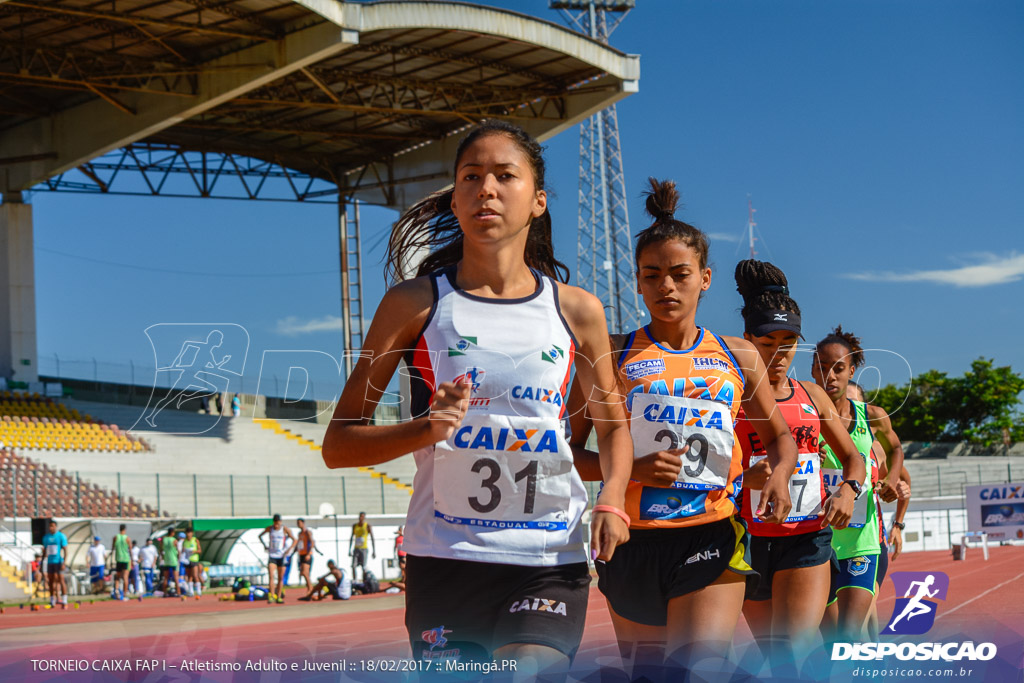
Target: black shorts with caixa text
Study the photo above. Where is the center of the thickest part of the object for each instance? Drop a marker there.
(465, 609)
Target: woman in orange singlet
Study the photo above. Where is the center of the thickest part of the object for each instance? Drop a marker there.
(675, 589)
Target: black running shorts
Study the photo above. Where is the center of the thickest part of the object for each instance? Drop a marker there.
(656, 565)
(470, 609)
(770, 554)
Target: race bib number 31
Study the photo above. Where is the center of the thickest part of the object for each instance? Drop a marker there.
(705, 428)
(504, 472)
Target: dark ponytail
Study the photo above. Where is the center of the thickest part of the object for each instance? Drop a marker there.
(847, 340)
(662, 200)
(765, 292)
(429, 224)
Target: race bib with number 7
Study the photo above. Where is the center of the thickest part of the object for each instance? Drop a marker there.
(804, 489)
(661, 423)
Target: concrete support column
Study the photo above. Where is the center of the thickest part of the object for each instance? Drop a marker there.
(18, 357)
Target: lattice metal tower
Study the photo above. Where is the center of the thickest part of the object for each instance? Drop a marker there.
(604, 253)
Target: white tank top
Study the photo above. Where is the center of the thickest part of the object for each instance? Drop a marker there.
(276, 542)
(503, 488)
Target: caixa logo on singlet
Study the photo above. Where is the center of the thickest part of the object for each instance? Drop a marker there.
(539, 394)
(693, 386)
(690, 417)
(505, 439)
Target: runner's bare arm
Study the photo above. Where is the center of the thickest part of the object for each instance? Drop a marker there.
(902, 504)
(771, 428)
(881, 427)
(840, 504)
(596, 373)
(351, 441)
(588, 463)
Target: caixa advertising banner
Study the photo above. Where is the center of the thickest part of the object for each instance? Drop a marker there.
(997, 510)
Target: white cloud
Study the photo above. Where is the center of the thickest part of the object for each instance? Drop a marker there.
(292, 326)
(993, 270)
(723, 237)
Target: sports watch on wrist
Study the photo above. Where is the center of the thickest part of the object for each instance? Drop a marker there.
(855, 485)
(899, 525)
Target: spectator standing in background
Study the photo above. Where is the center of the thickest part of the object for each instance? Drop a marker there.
(147, 562)
(97, 564)
(55, 547)
(135, 576)
(360, 531)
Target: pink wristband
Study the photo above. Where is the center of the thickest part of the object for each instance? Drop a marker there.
(615, 511)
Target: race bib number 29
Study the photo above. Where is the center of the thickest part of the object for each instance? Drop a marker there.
(705, 428)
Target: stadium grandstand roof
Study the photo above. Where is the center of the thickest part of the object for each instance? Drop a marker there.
(366, 96)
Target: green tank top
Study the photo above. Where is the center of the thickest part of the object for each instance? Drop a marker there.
(853, 541)
(170, 551)
(190, 545)
(121, 551)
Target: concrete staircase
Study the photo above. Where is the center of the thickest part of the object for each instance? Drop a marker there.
(207, 465)
(312, 435)
(13, 585)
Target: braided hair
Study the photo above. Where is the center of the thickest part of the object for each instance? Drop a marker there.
(764, 287)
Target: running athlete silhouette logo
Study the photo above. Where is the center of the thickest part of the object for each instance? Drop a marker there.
(473, 375)
(435, 637)
(194, 361)
(914, 613)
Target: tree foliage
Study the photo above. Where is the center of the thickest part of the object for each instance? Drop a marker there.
(981, 407)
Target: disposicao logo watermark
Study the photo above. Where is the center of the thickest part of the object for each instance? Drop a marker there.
(914, 613)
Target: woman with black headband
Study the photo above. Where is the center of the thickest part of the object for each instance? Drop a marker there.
(785, 605)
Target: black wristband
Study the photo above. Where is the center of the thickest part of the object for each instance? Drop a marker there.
(899, 525)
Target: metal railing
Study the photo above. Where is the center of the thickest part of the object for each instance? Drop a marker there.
(25, 494)
(950, 477)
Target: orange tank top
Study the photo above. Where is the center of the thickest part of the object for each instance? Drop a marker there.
(677, 398)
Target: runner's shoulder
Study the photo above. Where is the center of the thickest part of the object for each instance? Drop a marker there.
(578, 305)
(406, 305)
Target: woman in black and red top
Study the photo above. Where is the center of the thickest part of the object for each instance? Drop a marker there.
(785, 605)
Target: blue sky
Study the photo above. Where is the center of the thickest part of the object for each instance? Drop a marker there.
(881, 143)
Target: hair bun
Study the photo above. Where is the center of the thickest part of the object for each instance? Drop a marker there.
(662, 199)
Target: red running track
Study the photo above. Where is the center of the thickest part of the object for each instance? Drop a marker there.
(982, 595)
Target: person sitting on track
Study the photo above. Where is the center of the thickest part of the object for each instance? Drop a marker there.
(340, 588)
